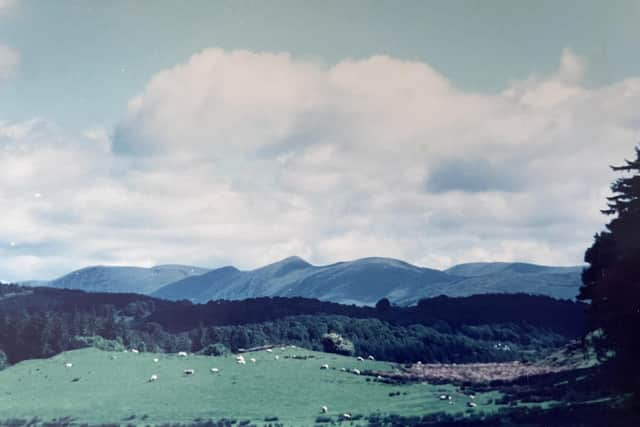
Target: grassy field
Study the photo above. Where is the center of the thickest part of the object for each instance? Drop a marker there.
(108, 387)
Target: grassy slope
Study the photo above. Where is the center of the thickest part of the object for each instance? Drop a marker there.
(110, 390)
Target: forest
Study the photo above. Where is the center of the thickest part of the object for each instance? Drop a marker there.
(41, 322)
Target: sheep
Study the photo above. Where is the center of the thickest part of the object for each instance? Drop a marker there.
(133, 350)
(371, 357)
(189, 372)
(153, 378)
(472, 396)
(360, 359)
(324, 409)
(215, 370)
(346, 416)
(68, 365)
(156, 360)
(472, 404)
(253, 360)
(356, 371)
(269, 350)
(325, 366)
(277, 357)
(182, 354)
(343, 369)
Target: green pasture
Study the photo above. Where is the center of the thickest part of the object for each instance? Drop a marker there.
(114, 387)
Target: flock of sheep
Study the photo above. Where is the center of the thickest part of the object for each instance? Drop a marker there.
(240, 359)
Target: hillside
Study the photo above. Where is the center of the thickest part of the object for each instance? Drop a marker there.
(558, 282)
(366, 281)
(113, 387)
(123, 279)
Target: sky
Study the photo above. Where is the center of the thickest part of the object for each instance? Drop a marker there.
(236, 132)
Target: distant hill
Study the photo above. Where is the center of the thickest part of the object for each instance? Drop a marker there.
(123, 279)
(491, 277)
(366, 281)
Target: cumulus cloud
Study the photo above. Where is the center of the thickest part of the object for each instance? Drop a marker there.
(245, 158)
(6, 5)
(9, 60)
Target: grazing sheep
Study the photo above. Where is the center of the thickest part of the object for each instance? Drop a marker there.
(253, 360)
(472, 404)
(443, 397)
(472, 396)
(215, 370)
(153, 378)
(324, 409)
(356, 371)
(360, 359)
(182, 354)
(346, 416)
(156, 360)
(277, 357)
(371, 357)
(133, 350)
(269, 350)
(68, 365)
(343, 369)
(325, 366)
(189, 372)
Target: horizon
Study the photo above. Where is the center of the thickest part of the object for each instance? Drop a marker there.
(282, 260)
(234, 133)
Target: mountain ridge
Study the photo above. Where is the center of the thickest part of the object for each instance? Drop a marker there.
(362, 281)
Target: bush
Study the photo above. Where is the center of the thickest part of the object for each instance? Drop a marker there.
(97, 342)
(3, 360)
(335, 343)
(216, 349)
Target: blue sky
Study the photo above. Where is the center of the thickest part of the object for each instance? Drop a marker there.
(243, 132)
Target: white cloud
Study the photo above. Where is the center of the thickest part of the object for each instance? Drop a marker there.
(6, 6)
(245, 158)
(9, 60)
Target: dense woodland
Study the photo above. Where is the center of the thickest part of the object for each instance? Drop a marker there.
(40, 322)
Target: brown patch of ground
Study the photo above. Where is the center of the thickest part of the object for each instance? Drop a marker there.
(471, 373)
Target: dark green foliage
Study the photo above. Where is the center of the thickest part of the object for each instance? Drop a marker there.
(216, 349)
(612, 280)
(3, 360)
(41, 322)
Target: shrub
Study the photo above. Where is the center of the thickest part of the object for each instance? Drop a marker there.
(335, 343)
(216, 349)
(97, 342)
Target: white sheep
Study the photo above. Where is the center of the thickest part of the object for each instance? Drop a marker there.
(153, 378)
(269, 350)
(156, 360)
(472, 404)
(346, 416)
(325, 366)
(371, 357)
(360, 359)
(215, 370)
(189, 372)
(443, 397)
(324, 409)
(343, 369)
(253, 359)
(277, 357)
(68, 365)
(133, 350)
(182, 354)
(356, 371)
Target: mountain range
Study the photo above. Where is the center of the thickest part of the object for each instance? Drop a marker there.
(361, 282)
